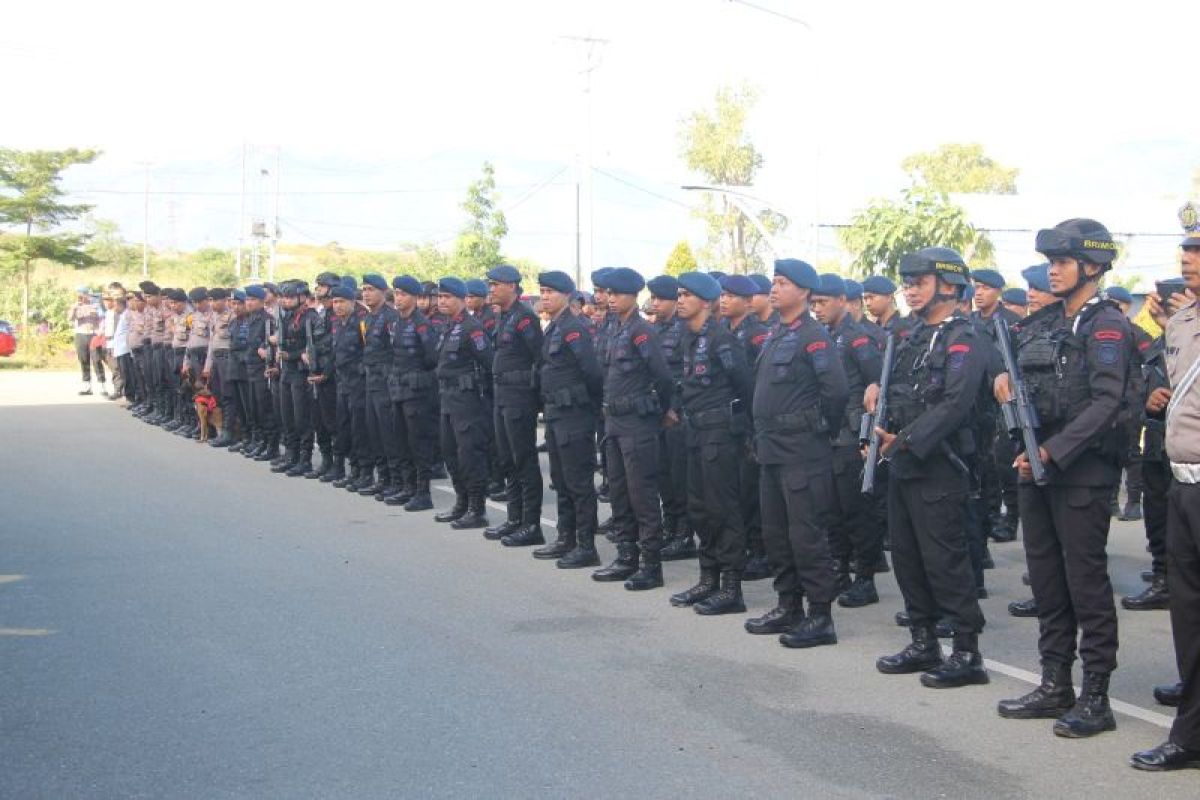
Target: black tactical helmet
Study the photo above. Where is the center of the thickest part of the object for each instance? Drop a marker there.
(946, 263)
(1079, 238)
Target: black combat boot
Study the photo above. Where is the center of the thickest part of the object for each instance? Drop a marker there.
(365, 479)
(224, 440)
(757, 567)
(325, 466)
(625, 564)
(584, 554)
(497, 492)
(1168, 694)
(680, 544)
(1167, 756)
(779, 619)
(1091, 713)
(1155, 596)
(1004, 528)
(286, 461)
(923, 653)
(861, 593)
(814, 630)
(964, 667)
(476, 516)
(524, 536)
(707, 585)
(1133, 511)
(336, 471)
(303, 465)
(841, 575)
(454, 512)
(649, 574)
(270, 452)
(349, 476)
(728, 600)
(1050, 700)
(562, 545)
(1023, 608)
(421, 499)
(438, 471)
(393, 487)
(381, 482)
(402, 495)
(602, 494)
(497, 532)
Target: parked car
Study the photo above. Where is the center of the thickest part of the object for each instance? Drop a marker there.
(8, 339)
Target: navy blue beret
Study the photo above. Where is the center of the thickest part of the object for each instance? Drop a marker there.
(454, 286)
(408, 284)
(968, 292)
(343, 291)
(762, 282)
(1016, 296)
(830, 285)
(557, 280)
(1119, 294)
(218, 294)
(348, 280)
(149, 288)
(504, 273)
(717, 274)
(328, 279)
(624, 280)
(293, 288)
(664, 287)
(879, 284)
(600, 277)
(198, 294)
(270, 287)
(239, 295)
(988, 277)
(740, 285)
(376, 280)
(1038, 277)
(798, 272)
(854, 290)
(476, 287)
(701, 284)
(256, 291)
(177, 294)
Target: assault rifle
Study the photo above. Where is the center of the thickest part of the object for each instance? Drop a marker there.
(866, 430)
(310, 348)
(1020, 417)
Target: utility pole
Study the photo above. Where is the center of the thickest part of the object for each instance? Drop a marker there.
(146, 224)
(275, 226)
(237, 267)
(592, 48)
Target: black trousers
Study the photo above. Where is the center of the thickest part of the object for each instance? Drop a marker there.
(221, 377)
(296, 419)
(990, 489)
(796, 501)
(181, 388)
(714, 505)
(382, 435)
(571, 445)
(261, 408)
(1133, 471)
(417, 421)
(748, 471)
(926, 522)
(516, 451)
(89, 360)
(325, 414)
(141, 363)
(156, 377)
(633, 461)
(465, 440)
(1004, 453)
(351, 440)
(852, 528)
(1156, 482)
(1183, 580)
(1066, 533)
(127, 371)
(673, 472)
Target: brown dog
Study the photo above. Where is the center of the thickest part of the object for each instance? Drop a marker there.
(207, 410)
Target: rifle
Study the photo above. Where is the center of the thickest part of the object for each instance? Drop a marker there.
(1020, 417)
(866, 430)
(272, 328)
(311, 350)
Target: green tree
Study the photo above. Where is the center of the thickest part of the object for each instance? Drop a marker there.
(887, 229)
(31, 206)
(960, 168)
(715, 146)
(478, 246)
(108, 247)
(681, 260)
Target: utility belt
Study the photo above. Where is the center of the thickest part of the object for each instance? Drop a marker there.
(644, 406)
(221, 352)
(710, 418)
(1186, 473)
(516, 377)
(416, 380)
(459, 383)
(566, 397)
(811, 421)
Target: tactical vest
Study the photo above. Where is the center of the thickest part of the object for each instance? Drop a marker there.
(919, 379)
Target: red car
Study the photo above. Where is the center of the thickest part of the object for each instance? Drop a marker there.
(8, 339)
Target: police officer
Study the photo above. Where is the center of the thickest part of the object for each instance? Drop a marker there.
(518, 347)
(604, 331)
(347, 333)
(637, 402)
(672, 449)
(479, 308)
(799, 402)
(325, 401)
(1075, 356)
(879, 299)
(256, 352)
(377, 358)
(239, 387)
(414, 384)
(464, 368)
(571, 385)
(854, 530)
(217, 363)
(1015, 300)
(940, 362)
(199, 327)
(713, 394)
(739, 295)
(854, 300)
(296, 379)
(1133, 467)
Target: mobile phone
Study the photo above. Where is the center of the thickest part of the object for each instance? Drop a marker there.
(1165, 290)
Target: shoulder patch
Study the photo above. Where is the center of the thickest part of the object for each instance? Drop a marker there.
(959, 348)
(640, 339)
(422, 328)
(759, 339)
(813, 347)
(1144, 346)
(1108, 336)
(572, 336)
(860, 341)
(523, 323)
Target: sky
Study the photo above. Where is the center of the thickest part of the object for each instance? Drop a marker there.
(377, 118)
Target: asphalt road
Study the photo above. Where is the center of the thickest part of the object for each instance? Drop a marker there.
(178, 622)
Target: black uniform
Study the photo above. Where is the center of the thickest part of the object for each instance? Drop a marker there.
(297, 402)
(713, 393)
(1156, 467)
(325, 400)
(1078, 373)
(518, 344)
(238, 384)
(348, 336)
(672, 453)
(935, 380)
(571, 385)
(995, 449)
(752, 334)
(258, 326)
(463, 371)
(377, 358)
(413, 386)
(799, 402)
